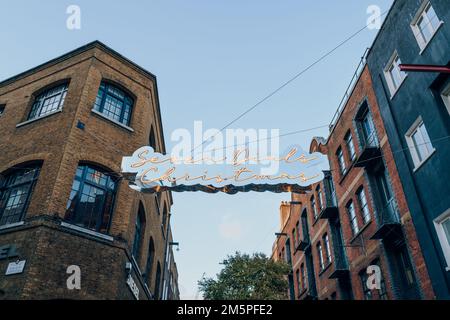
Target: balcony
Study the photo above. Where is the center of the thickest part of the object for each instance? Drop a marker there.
(330, 208)
(341, 269)
(388, 222)
(370, 152)
(302, 243)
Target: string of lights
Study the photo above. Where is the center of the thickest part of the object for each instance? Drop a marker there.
(292, 79)
(120, 175)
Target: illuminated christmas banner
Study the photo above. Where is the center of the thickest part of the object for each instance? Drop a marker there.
(238, 171)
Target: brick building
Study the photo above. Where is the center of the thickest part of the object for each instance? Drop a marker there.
(356, 217)
(64, 127)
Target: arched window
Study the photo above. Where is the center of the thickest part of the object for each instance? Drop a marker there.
(114, 103)
(157, 281)
(305, 226)
(138, 233)
(152, 139)
(92, 198)
(15, 193)
(164, 218)
(49, 101)
(149, 266)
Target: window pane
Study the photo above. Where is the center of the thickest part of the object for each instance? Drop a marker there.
(320, 254)
(319, 198)
(418, 144)
(327, 248)
(446, 227)
(353, 219)
(426, 139)
(137, 237)
(350, 146)
(424, 28)
(432, 17)
(313, 207)
(49, 101)
(114, 103)
(341, 160)
(91, 201)
(364, 206)
(422, 144)
(396, 75)
(15, 194)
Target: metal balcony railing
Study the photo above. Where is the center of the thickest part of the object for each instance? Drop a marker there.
(329, 208)
(349, 90)
(388, 221)
(340, 264)
(302, 243)
(390, 213)
(370, 151)
(371, 141)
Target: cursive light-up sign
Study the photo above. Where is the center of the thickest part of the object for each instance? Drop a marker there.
(238, 171)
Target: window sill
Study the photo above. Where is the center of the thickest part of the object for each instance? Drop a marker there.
(316, 219)
(38, 118)
(321, 272)
(113, 121)
(431, 39)
(12, 225)
(344, 175)
(420, 164)
(360, 231)
(87, 231)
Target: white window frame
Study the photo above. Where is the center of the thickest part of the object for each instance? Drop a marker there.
(412, 148)
(421, 41)
(387, 74)
(446, 97)
(442, 237)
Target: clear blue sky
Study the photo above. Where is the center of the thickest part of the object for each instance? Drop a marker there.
(213, 59)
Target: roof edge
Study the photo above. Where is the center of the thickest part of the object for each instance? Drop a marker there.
(91, 45)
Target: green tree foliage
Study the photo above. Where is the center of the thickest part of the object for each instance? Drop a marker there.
(246, 277)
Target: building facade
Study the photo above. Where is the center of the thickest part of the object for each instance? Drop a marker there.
(70, 226)
(415, 107)
(356, 221)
